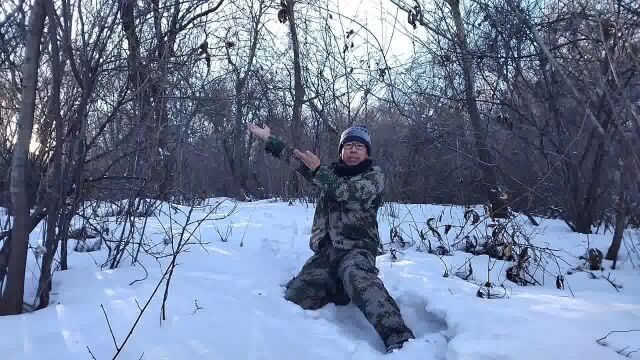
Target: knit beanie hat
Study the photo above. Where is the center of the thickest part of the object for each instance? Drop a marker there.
(358, 133)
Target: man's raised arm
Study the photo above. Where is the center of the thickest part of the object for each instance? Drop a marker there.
(279, 149)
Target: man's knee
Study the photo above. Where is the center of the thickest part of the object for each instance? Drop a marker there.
(359, 262)
(307, 296)
(359, 274)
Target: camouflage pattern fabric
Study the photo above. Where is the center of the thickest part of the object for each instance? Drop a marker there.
(345, 242)
(346, 212)
(337, 277)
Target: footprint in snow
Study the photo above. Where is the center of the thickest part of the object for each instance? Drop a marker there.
(429, 328)
(421, 321)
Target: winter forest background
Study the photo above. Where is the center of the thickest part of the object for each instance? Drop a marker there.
(527, 106)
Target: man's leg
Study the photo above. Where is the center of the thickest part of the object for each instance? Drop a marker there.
(309, 288)
(360, 278)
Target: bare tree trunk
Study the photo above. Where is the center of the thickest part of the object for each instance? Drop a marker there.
(239, 154)
(298, 87)
(612, 253)
(54, 187)
(12, 297)
(140, 78)
(165, 52)
(495, 195)
(298, 92)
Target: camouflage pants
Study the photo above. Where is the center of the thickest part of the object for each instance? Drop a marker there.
(340, 277)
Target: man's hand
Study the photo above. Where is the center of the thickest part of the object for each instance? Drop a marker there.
(308, 158)
(262, 133)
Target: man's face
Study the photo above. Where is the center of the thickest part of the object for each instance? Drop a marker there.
(353, 153)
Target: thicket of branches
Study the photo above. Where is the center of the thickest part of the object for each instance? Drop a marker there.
(523, 105)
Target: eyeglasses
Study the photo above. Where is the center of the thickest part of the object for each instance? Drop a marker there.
(356, 145)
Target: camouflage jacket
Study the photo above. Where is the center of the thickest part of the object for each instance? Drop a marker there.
(346, 211)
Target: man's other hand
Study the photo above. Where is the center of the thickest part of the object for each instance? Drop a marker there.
(308, 158)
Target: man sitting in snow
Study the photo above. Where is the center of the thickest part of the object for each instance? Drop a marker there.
(344, 236)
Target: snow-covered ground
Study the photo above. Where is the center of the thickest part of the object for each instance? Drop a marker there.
(226, 300)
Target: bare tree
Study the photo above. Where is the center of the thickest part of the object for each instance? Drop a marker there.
(12, 295)
(495, 194)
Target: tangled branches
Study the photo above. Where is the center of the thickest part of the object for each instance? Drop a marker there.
(506, 243)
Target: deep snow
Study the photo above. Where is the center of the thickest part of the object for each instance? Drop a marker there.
(241, 313)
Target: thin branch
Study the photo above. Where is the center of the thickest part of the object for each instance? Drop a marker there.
(198, 16)
(110, 328)
(616, 332)
(92, 356)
